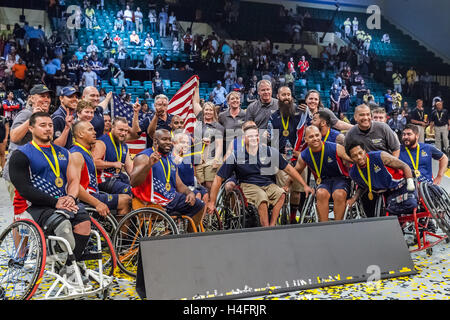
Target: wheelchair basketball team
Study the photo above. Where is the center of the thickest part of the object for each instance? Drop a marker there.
(277, 152)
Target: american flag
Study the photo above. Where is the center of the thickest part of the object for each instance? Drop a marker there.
(299, 143)
(181, 103)
(120, 108)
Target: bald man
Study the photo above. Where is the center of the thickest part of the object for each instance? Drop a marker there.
(331, 174)
(84, 141)
(91, 94)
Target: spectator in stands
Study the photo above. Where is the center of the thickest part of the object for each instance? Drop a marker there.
(397, 81)
(368, 96)
(361, 90)
(227, 52)
(355, 24)
(107, 42)
(148, 60)
(440, 122)
(134, 38)
(163, 18)
(296, 32)
(175, 44)
(303, 66)
(410, 80)
(152, 19)
(188, 40)
(157, 85)
(420, 119)
(344, 100)
(91, 49)
(347, 28)
(89, 78)
(73, 69)
(172, 21)
(426, 81)
(128, 17)
(388, 101)
(138, 20)
(397, 122)
(122, 56)
(218, 95)
(117, 39)
(118, 24)
(396, 100)
(149, 42)
(89, 16)
(386, 38)
(389, 70)
(61, 79)
(335, 95)
(19, 71)
(80, 53)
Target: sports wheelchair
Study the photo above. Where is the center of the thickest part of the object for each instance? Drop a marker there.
(31, 260)
(418, 226)
(309, 212)
(235, 212)
(146, 220)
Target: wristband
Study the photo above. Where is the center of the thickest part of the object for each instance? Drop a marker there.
(74, 199)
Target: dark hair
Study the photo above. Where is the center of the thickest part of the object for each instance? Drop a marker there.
(412, 127)
(36, 115)
(352, 145)
(324, 116)
(119, 119)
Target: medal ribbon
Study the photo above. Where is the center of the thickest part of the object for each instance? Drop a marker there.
(119, 157)
(88, 152)
(415, 165)
(318, 172)
(326, 137)
(55, 168)
(368, 181)
(285, 125)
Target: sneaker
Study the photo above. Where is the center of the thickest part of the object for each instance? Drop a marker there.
(69, 273)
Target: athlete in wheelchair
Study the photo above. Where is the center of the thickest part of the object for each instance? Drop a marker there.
(255, 168)
(53, 238)
(326, 161)
(160, 200)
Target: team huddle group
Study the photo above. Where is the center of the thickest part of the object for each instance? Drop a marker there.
(78, 157)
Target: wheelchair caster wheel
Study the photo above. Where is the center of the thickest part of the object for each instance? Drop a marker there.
(429, 251)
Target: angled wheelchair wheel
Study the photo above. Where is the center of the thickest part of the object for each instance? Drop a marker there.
(355, 212)
(109, 223)
(309, 212)
(22, 260)
(233, 210)
(380, 207)
(285, 213)
(144, 222)
(438, 203)
(212, 222)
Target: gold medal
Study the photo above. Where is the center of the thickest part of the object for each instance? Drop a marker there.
(167, 175)
(59, 182)
(285, 126)
(319, 181)
(118, 152)
(417, 172)
(168, 186)
(285, 133)
(370, 196)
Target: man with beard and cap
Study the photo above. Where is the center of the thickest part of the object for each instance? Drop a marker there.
(418, 156)
(155, 180)
(322, 121)
(284, 123)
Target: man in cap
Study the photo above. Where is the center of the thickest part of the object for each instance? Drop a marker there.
(63, 117)
(38, 101)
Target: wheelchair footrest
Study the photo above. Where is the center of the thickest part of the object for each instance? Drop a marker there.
(91, 256)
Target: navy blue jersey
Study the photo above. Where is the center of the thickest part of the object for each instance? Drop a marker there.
(112, 154)
(332, 165)
(383, 178)
(59, 123)
(88, 179)
(427, 153)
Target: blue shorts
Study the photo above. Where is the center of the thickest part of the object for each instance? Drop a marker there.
(336, 183)
(401, 201)
(200, 189)
(178, 206)
(111, 200)
(116, 185)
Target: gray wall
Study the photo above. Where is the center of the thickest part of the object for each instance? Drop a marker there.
(425, 20)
